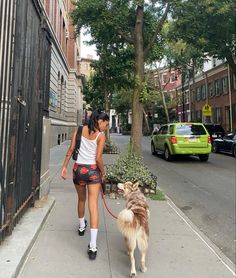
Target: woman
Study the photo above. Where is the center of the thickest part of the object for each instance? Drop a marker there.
(89, 171)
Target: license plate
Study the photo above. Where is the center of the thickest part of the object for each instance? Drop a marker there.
(192, 139)
(214, 136)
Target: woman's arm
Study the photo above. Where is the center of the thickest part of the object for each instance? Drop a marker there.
(69, 154)
(101, 142)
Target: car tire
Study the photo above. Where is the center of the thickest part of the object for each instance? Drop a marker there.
(204, 157)
(167, 154)
(234, 151)
(153, 150)
(215, 148)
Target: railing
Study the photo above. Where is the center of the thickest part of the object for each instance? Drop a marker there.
(24, 88)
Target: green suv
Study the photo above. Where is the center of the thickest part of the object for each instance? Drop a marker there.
(182, 138)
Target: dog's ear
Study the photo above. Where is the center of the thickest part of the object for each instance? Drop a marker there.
(135, 185)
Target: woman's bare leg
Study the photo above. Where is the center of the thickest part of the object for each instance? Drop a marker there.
(81, 191)
(93, 193)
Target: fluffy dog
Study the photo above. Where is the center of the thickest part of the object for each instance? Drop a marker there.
(133, 223)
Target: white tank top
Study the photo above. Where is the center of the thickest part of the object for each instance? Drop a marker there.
(87, 151)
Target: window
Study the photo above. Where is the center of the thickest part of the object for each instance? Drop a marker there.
(217, 87)
(211, 89)
(164, 130)
(234, 82)
(164, 78)
(198, 94)
(171, 129)
(203, 92)
(186, 97)
(51, 10)
(225, 85)
(190, 129)
(229, 137)
(234, 113)
(172, 77)
(217, 115)
(198, 116)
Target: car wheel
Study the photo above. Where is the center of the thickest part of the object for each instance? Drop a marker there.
(167, 154)
(203, 157)
(234, 151)
(215, 147)
(153, 150)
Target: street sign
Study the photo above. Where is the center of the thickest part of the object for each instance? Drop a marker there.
(206, 110)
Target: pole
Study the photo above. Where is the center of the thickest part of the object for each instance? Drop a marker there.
(230, 101)
(183, 106)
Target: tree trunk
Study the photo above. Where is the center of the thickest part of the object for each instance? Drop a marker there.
(146, 120)
(107, 110)
(231, 61)
(137, 107)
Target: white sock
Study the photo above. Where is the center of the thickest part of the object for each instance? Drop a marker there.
(93, 237)
(81, 223)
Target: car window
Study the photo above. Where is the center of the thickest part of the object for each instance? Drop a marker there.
(164, 130)
(214, 128)
(190, 129)
(229, 137)
(160, 131)
(171, 129)
(219, 128)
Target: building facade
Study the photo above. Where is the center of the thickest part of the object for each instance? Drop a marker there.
(214, 86)
(66, 87)
(84, 66)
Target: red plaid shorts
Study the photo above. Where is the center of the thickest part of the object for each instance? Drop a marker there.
(86, 174)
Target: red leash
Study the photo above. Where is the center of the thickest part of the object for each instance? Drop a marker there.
(105, 204)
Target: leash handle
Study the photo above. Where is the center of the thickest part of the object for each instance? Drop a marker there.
(105, 204)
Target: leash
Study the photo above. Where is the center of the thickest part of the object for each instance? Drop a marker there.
(105, 204)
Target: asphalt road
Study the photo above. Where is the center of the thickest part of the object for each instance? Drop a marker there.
(204, 191)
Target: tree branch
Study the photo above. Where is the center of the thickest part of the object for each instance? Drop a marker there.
(158, 29)
(125, 37)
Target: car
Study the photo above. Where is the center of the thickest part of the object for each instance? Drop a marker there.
(182, 139)
(215, 131)
(227, 144)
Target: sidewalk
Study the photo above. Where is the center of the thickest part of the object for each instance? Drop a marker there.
(177, 249)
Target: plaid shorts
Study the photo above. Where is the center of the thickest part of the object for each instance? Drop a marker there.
(86, 174)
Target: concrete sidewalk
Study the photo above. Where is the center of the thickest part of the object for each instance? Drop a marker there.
(177, 249)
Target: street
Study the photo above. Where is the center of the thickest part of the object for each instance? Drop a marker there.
(205, 192)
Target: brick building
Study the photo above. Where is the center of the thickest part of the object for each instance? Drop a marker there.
(167, 80)
(66, 99)
(215, 86)
(84, 66)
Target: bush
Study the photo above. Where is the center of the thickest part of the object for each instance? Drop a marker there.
(110, 147)
(129, 167)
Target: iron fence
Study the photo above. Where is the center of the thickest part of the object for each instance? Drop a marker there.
(25, 51)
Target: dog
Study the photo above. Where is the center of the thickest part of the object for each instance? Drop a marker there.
(133, 223)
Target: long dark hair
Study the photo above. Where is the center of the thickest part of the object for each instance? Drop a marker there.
(94, 118)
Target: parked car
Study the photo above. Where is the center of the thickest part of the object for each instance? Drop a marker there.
(215, 131)
(227, 144)
(182, 139)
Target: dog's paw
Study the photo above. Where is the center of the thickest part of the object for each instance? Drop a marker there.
(133, 275)
(143, 269)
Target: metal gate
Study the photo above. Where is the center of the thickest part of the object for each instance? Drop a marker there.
(25, 51)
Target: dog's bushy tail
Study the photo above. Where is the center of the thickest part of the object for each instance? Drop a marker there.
(125, 221)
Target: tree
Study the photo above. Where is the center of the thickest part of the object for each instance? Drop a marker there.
(136, 23)
(209, 26)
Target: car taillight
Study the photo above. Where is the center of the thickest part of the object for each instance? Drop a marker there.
(209, 140)
(173, 140)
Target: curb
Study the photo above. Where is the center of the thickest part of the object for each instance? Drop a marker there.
(15, 248)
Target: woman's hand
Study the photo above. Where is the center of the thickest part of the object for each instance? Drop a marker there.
(103, 179)
(64, 173)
